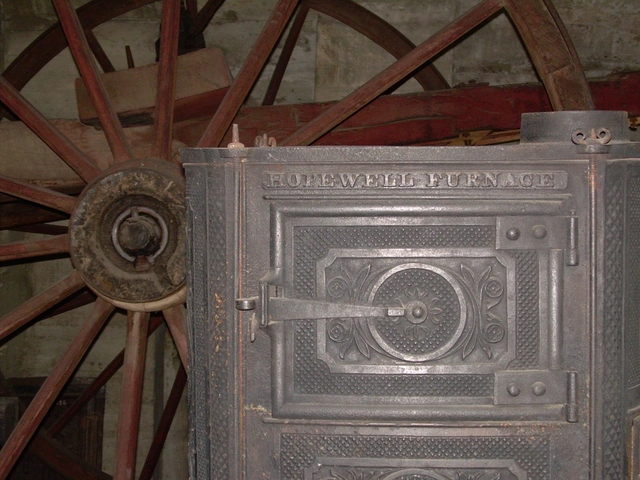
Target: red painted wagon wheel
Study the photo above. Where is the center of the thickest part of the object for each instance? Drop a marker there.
(126, 229)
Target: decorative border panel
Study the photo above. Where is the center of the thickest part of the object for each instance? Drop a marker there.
(300, 453)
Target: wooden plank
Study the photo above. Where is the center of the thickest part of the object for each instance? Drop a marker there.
(133, 91)
(52, 386)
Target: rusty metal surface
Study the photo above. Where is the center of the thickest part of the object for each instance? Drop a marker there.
(384, 312)
(128, 231)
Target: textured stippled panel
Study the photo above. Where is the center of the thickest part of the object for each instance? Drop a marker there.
(632, 288)
(198, 337)
(313, 377)
(298, 452)
(528, 317)
(613, 416)
(312, 243)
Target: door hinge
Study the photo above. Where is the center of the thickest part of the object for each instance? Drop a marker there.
(538, 387)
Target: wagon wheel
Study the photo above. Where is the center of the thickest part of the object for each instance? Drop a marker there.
(128, 221)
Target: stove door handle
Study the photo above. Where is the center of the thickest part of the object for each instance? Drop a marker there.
(288, 309)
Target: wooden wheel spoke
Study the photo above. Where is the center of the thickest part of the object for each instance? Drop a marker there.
(48, 133)
(204, 16)
(285, 55)
(133, 375)
(177, 320)
(81, 52)
(41, 196)
(52, 386)
(98, 52)
(99, 382)
(248, 74)
(552, 52)
(192, 7)
(382, 33)
(26, 312)
(167, 74)
(164, 425)
(393, 74)
(34, 248)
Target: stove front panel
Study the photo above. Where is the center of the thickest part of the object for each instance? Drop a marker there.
(415, 318)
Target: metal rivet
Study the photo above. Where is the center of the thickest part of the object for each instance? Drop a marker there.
(539, 389)
(513, 233)
(513, 390)
(539, 231)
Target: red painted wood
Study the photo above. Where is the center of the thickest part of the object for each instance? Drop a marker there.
(285, 54)
(52, 41)
(552, 53)
(204, 16)
(382, 33)
(43, 228)
(52, 453)
(99, 382)
(167, 74)
(29, 310)
(177, 321)
(98, 52)
(419, 118)
(34, 248)
(86, 64)
(164, 425)
(248, 73)
(48, 133)
(192, 7)
(56, 456)
(52, 386)
(132, 380)
(394, 73)
(41, 196)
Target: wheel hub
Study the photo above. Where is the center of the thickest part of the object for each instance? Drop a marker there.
(128, 235)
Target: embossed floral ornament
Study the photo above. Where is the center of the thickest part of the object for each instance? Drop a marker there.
(337, 288)
(421, 311)
(494, 288)
(340, 329)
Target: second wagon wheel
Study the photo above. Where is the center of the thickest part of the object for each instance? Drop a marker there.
(126, 231)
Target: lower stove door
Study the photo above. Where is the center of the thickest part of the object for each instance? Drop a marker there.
(387, 344)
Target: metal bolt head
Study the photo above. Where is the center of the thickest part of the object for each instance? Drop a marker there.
(513, 390)
(539, 231)
(539, 389)
(513, 233)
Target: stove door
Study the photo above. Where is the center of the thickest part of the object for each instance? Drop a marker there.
(404, 336)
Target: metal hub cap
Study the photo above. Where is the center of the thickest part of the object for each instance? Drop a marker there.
(128, 235)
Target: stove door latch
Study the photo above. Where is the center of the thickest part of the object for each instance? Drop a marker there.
(269, 310)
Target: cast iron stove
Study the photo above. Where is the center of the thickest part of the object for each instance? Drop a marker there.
(441, 313)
